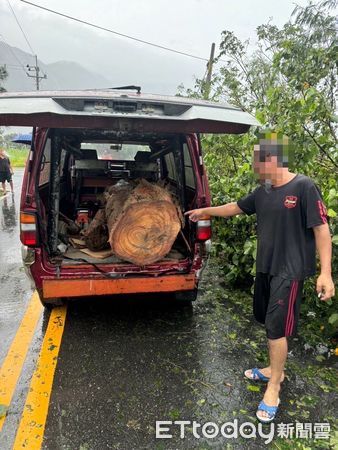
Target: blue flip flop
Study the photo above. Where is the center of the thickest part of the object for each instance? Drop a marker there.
(256, 375)
(271, 410)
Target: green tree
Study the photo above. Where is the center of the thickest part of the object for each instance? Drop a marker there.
(289, 82)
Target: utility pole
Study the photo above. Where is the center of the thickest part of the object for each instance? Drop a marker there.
(209, 72)
(36, 75)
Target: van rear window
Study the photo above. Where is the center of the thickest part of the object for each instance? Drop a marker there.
(123, 152)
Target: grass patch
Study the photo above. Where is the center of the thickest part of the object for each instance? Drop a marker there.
(17, 156)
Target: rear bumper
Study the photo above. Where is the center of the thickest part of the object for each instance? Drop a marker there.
(131, 285)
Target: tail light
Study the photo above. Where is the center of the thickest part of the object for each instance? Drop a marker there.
(203, 230)
(28, 229)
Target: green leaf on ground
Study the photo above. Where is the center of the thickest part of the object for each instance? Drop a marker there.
(253, 388)
(333, 318)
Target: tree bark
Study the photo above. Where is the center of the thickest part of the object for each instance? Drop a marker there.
(96, 235)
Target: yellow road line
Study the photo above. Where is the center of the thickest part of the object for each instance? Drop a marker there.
(15, 358)
(33, 420)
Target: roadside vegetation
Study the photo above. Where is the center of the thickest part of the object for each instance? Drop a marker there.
(17, 153)
(18, 156)
(289, 82)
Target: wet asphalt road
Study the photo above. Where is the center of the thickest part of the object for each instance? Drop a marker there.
(129, 361)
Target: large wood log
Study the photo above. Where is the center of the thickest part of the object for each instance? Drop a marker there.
(143, 221)
(96, 236)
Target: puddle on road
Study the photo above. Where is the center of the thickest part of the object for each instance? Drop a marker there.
(15, 287)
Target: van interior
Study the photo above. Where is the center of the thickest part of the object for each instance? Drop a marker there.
(78, 165)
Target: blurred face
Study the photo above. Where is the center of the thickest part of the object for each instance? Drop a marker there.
(2, 152)
(265, 166)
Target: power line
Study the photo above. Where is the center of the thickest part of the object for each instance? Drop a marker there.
(115, 32)
(17, 21)
(11, 65)
(11, 50)
(36, 76)
(24, 34)
(30, 68)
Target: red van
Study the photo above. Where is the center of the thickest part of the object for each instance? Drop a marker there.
(84, 141)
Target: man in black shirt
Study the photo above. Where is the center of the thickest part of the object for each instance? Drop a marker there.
(6, 171)
(291, 224)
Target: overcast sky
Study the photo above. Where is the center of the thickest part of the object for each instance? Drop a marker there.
(186, 25)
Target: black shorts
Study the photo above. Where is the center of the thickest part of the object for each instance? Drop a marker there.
(5, 176)
(276, 304)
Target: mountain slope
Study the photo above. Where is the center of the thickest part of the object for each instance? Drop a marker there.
(60, 75)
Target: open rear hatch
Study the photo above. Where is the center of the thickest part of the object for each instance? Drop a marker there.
(114, 118)
(121, 111)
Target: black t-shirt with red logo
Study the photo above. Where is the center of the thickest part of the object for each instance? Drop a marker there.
(285, 217)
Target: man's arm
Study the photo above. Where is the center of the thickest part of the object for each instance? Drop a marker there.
(227, 210)
(324, 248)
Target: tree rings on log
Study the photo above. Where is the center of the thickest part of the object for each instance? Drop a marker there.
(145, 231)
